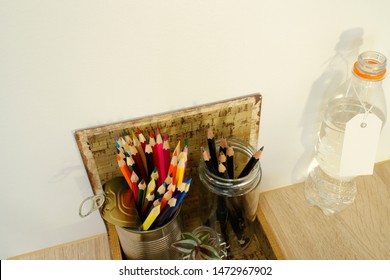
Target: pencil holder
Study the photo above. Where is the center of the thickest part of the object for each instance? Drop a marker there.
(229, 205)
(151, 244)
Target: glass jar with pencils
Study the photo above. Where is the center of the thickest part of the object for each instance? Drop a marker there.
(230, 178)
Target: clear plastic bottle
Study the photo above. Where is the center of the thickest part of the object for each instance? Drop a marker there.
(362, 94)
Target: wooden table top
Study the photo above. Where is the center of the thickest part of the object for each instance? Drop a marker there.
(297, 230)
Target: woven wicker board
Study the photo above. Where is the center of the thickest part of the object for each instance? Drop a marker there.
(239, 118)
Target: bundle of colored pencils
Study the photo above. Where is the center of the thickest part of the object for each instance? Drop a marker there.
(155, 177)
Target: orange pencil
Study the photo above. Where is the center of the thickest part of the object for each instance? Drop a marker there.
(167, 196)
(173, 164)
(125, 171)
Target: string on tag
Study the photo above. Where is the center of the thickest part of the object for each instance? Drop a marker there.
(366, 111)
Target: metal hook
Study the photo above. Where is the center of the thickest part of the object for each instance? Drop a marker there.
(97, 201)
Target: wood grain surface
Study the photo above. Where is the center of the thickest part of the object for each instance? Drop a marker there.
(302, 231)
(91, 248)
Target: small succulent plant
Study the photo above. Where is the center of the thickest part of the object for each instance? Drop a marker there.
(201, 244)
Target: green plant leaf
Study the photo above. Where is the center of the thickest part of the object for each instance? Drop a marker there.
(191, 236)
(204, 237)
(185, 246)
(208, 252)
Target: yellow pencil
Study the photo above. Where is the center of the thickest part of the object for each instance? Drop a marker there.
(151, 217)
(151, 187)
(180, 170)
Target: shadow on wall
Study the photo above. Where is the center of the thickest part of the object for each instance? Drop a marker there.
(337, 71)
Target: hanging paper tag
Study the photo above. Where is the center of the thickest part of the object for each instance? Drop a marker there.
(360, 145)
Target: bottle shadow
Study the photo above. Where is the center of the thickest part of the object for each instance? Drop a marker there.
(337, 70)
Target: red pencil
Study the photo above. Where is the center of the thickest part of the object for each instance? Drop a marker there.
(160, 155)
(152, 142)
(134, 183)
(141, 138)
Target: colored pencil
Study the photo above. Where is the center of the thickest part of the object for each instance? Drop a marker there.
(154, 174)
(251, 163)
(173, 165)
(124, 144)
(134, 183)
(125, 172)
(185, 152)
(180, 170)
(166, 154)
(168, 180)
(182, 187)
(141, 194)
(161, 190)
(164, 200)
(171, 187)
(138, 161)
(149, 158)
(140, 150)
(131, 164)
(127, 138)
(151, 217)
(167, 212)
(141, 138)
(151, 187)
(160, 154)
(183, 194)
(147, 205)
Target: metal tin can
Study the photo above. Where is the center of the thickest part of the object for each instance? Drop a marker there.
(151, 244)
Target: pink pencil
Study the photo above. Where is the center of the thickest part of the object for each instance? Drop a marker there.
(167, 153)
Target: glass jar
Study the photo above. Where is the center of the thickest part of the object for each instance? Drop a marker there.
(229, 205)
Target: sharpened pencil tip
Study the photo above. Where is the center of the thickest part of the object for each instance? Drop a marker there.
(210, 133)
(257, 155)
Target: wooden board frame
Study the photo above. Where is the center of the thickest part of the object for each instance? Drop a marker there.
(238, 117)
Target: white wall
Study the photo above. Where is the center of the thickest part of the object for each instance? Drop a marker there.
(66, 65)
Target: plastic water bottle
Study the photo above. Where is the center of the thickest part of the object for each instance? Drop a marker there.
(362, 94)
